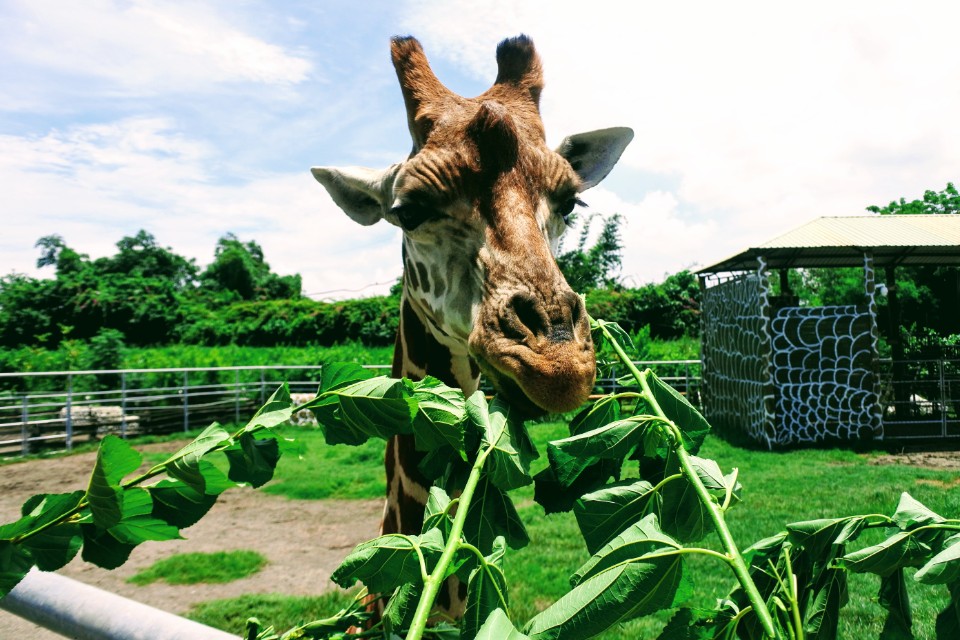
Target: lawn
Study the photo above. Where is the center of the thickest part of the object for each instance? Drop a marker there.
(778, 488)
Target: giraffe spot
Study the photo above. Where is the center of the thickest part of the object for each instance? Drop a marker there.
(439, 286)
(424, 277)
(411, 273)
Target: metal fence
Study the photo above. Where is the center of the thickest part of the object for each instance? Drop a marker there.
(51, 410)
(920, 398)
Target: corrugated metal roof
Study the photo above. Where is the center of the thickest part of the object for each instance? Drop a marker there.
(842, 241)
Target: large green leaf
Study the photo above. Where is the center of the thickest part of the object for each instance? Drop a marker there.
(555, 497)
(398, 614)
(276, 411)
(823, 614)
(816, 536)
(681, 512)
(486, 590)
(179, 504)
(138, 523)
(57, 545)
(379, 407)
(948, 620)
(508, 463)
(387, 562)
(115, 459)
(595, 415)
(498, 627)
(604, 513)
(15, 562)
(253, 460)
(693, 426)
(569, 457)
(898, 551)
(640, 539)
(102, 548)
(911, 514)
(185, 463)
(943, 568)
(341, 374)
(492, 514)
(620, 592)
(439, 419)
(893, 597)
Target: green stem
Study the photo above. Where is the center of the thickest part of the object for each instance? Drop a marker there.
(794, 597)
(734, 557)
(432, 584)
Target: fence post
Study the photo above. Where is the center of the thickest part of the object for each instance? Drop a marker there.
(186, 400)
(24, 430)
(236, 397)
(263, 397)
(123, 405)
(69, 412)
(943, 399)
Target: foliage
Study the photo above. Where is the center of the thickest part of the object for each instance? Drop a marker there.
(586, 269)
(193, 568)
(239, 270)
(671, 309)
(629, 471)
(946, 201)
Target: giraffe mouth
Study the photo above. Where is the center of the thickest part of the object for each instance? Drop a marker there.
(511, 391)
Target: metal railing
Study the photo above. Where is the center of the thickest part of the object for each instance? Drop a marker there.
(45, 410)
(920, 398)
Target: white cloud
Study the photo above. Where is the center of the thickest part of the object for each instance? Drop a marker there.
(97, 183)
(143, 47)
(763, 115)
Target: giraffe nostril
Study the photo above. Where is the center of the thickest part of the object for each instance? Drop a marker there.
(524, 317)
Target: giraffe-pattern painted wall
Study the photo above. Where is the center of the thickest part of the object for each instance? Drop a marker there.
(737, 385)
(823, 368)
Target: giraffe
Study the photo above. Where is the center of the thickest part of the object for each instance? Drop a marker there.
(482, 203)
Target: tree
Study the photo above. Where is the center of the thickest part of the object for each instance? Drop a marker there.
(946, 201)
(599, 266)
(239, 268)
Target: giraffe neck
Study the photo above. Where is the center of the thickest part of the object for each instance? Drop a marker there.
(417, 353)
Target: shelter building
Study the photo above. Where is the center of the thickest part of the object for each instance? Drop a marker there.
(782, 373)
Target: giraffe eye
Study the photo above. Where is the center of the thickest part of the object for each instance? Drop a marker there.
(565, 210)
(411, 216)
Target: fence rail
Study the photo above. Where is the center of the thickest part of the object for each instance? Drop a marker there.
(45, 410)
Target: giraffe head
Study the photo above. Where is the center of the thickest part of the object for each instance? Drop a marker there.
(482, 202)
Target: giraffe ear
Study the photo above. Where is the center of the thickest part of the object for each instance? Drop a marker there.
(593, 154)
(359, 191)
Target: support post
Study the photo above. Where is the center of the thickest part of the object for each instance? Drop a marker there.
(236, 396)
(902, 409)
(186, 401)
(69, 412)
(77, 610)
(25, 428)
(123, 405)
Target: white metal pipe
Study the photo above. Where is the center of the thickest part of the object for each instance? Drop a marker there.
(77, 610)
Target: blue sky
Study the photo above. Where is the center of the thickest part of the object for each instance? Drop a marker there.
(194, 119)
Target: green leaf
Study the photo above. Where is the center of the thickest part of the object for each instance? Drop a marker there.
(823, 614)
(693, 426)
(508, 464)
(595, 415)
(557, 498)
(948, 620)
(569, 457)
(640, 539)
(179, 504)
(498, 627)
(185, 463)
(102, 548)
(681, 513)
(900, 550)
(492, 514)
(276, 411)
(254, 460)
(685, 625)
(604, 513)
(115, 459)
(398, 614)
(379, 407)
(620, 592)
(384, 563)
(911, 514)
(486, 590)
(56, 546)
(943, 568)
(138, 523)
(341, 374)
(816, 536)
(15, 562)
(438, 422)
(894, 598)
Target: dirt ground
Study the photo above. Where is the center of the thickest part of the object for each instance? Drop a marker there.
(303, 540)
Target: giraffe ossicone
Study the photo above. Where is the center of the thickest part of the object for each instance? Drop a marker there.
(482, 202)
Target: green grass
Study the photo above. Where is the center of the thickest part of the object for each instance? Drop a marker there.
(779, 488)
(193, 568)
(283, 612)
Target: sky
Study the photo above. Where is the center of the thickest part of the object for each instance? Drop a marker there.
(196, 119)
